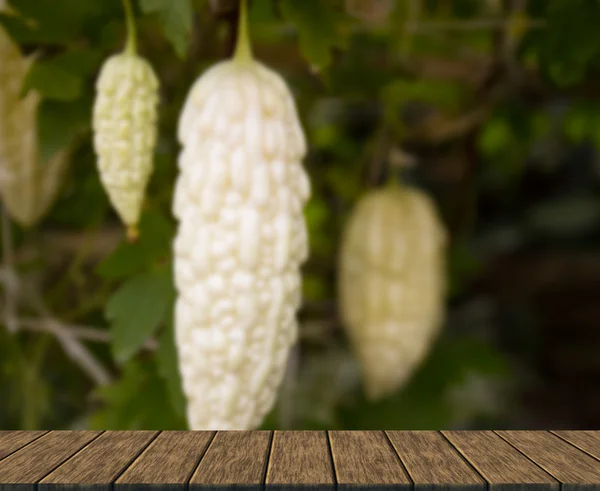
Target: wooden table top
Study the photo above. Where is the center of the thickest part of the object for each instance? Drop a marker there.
(402, 460)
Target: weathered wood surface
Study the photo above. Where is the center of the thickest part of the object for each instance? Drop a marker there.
(300, 460)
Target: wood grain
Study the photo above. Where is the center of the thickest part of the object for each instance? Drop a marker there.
(499, 463)
(169, 460)
(11, 441)
(301, 459)
(366, 458)
(99, 463)
(432, 463)
(575, 469)
(309, 460)
(234, 457)
(22, 469)
(588, 440)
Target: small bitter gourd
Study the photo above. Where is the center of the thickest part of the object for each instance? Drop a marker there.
(28, 186)
(125, 118)
(391, 284)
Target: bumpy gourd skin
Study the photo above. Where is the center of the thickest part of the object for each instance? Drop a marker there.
(241, 240)
(125, 131)
(27, 186)
(391, 284)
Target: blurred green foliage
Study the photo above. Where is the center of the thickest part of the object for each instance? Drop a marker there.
(364, 89)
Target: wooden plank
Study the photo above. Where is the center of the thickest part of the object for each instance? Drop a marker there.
(22, 469)
(10, 441)
(366, 460)
(575, 469)
(300, 459)
(433, 464)
(168, 461)
(234, 457)
(99, 463)
(586, 440)
(499, 463)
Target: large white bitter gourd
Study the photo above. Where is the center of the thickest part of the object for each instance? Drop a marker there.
(125, 130)
(391, 284)
(27, 185)
(241, 239)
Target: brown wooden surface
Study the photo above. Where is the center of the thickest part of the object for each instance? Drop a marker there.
(366, 458)
(575, 469)
(25, 467)
(319, 460)
(98, 464)
(588, 441)
(503, 467)
(235, 457)
(301, 458)
(432, 462)
(169, 460)
(11, 441)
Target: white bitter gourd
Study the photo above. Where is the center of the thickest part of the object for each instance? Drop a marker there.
(240, 242)
(391, 284)
(27, 186)
(125, 129)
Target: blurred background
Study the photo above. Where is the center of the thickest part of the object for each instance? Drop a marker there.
(496, 103)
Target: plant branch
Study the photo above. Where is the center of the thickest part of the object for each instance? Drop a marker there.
(72, 346)
(84, 333)
(430, 27)
(9, 277)
(414, 12)
(78, 352)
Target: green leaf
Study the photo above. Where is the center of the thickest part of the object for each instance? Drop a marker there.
(45, 22)
(136, 310)
(176, 17)
(17, 28)
(314, 287)
(319, 29)
(59, 123)
(445, 95)
(581, 121)
(495, 137)
(154, 243)
(577, 126)
(317, 215)
(261, 12)
(81, 62)
(137, 401)
(53, 81)
(569, 45)
(463, 266)
(264, 23)
(168, 367)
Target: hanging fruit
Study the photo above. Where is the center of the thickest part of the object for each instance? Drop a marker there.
(391, 284)
(28, 187)
(241, 239)
(125, 128)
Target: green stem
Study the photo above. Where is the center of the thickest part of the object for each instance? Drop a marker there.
(131, 46)
(94, 301)
(394, 179)
(33, 397)
(243, 51)
(74, 269)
